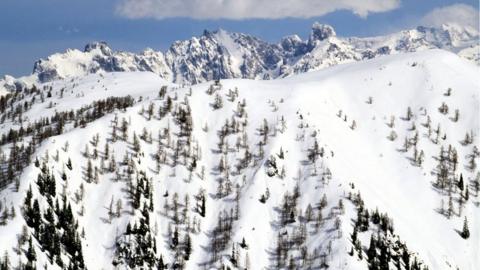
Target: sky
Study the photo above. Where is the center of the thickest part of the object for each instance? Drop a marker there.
(34, 29)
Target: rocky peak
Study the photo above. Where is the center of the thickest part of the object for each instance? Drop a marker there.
(101, 46)
(290, 42)
(208, 33)
(321, 32)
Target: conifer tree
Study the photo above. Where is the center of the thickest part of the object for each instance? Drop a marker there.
(465, 231)
(89, 171)
(161, 265)
(202, 206)
(31, 255)
(372, 249)
(460, 183)
(5, 262)
(188, 246)
(69, 164)
(175, 238)
(450, 207)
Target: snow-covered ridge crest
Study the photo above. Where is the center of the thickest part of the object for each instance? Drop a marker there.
(97, 57)
(223, 55)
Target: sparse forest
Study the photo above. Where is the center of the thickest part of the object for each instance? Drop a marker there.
(127, 171)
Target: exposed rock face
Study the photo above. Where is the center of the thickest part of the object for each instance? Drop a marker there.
(222, 55)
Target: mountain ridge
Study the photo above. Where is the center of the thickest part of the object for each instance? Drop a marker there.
(222, 55)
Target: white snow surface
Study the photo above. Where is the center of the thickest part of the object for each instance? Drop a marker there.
(364, 156)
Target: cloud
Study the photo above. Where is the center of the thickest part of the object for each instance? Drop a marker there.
(460, 14)
(248, 9)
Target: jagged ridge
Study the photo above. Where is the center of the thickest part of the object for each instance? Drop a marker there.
(223, 55)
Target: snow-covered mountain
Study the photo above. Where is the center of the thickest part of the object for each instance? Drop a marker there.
(224, 55)
(98, 57)
(366, 165)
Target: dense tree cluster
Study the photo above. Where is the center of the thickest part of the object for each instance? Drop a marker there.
(386, 250)
(138, 246)
(55, 229)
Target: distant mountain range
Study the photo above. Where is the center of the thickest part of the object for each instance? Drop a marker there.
(222, 55)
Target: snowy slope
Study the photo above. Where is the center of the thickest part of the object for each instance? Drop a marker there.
(355, 158)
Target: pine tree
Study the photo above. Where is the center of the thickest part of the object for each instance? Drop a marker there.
(188, 246)
(358, 247)
(4, 216)
(351, 252)
(460, 184)
(30, 254)
(218, 102)
(450, 207)
(202, 206)
(291, 264)
(281, 155)
(161, 265)
(409, 114)
(465, 231)
(406, 258)
(5, 262)
(233, 256)
(110, 210)
(354, 234)
(89, 172)
(119, 207)
(136, 143)
(69, 164)
(243, 244)
(372, 249)
(175, 238)
(35, 215)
